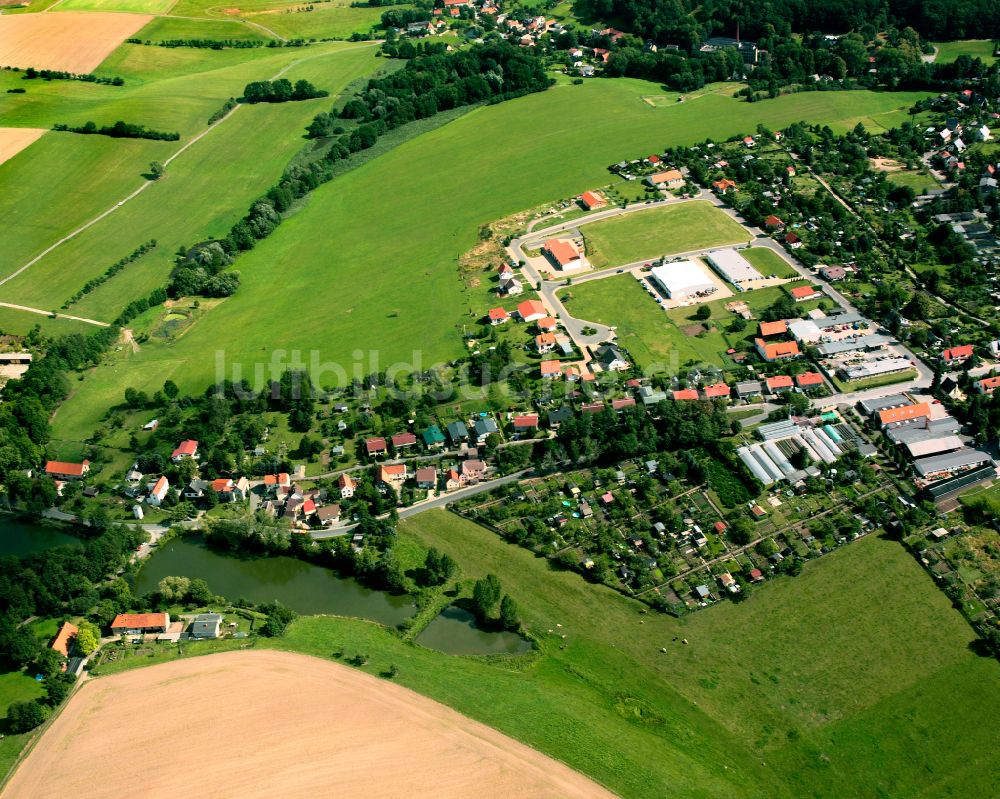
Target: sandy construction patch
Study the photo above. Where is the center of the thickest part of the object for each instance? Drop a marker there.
(13, 140)
(71, 41)
(276, 724)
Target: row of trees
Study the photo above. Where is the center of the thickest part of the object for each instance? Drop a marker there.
(280, 91)
(57, 74)
(119, 130)
(111, 271)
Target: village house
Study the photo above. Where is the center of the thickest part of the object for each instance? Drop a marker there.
(592, 200)
(550, 369)
(457, 433)
(724, 186)
(346, 484)
(158, 491)
(987, 385)
(511, 287)
(547, 324)
(65, 470)
(779, 384)
(206, 625)
(525, 424)
(611, 359)
(717, 391)
(433, 437)
(140, 623)
(272, 482)
(403, 440)
(809, 380)
(803, 293)
(960, 354)
(328, 515)
(483, 427)
(685, 394)
(671, 178)
(453, 480)
(472, 471)
(375, 447)
(776, 351)
(531, 311)
(63, 642)
(545, 342)
(621, 403)
(774, 223)
(778, 328)
(498, 316)
(186, 449)
(393, 475)
(833, 273)
(427, 477)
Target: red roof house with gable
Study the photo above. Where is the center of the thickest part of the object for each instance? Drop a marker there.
(957, 354)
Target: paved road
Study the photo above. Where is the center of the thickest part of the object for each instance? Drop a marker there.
(436, 503)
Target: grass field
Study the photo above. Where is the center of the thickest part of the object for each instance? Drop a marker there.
(411, 232)
(814, 687)
(132, 6)
(202, 194)
(167, 28)
(918, 180)
(768, 262)
(654, 336)
(664, 230)
(328, 20)
(974, 48)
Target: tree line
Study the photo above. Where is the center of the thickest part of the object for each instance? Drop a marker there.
(110, 272)
(119, 130)
(58, 74)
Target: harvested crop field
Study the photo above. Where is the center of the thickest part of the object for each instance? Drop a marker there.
(72, 41)
(267, 723)
(13, 140)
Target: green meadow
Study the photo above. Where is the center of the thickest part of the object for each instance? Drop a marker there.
(974, 48)
(853, 679)
(169, 28)
(131, 6)
(369, 263)
(663, 230)
(768, 262)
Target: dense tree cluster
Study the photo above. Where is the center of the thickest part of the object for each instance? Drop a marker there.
(120, 130)
(431, 83)
(57, 74)
(202, 271)
(280, 91)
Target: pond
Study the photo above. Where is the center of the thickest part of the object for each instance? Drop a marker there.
(454, 632)
(303, 587)
(19, 537)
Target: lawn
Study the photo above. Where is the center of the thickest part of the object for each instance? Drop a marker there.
(974, 48)
(918, 180)
(665, 230)
(768, 262)
(784, 695)
(132, 6)
(410, 232)
(168, 28)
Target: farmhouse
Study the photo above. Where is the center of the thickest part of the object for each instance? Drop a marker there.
(683, 280)
(776, 351)
(672, 178)
(206, 625)
(563, 254)
(140, 623)
(733, 267)
(186, 449)
(592, 201)
(63, 470)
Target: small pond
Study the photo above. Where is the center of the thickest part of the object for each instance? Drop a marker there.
(19, 537)
(454, 632)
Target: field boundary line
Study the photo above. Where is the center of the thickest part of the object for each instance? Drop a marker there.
(28, 309)
(148, 183)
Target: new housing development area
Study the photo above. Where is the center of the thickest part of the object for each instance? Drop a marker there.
(473, 398)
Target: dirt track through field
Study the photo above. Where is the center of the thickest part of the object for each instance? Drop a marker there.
(13, 140)
(276, 724)
(70, 41)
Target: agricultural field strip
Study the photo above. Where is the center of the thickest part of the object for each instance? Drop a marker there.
(27, 309)
(166, 162)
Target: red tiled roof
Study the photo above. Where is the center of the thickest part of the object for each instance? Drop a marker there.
(803, 292)
(774, 328)
(61, 642)
(563, 251)
(373, 445)
(404, 439)
(592, 200)
(961, 352)
(526, 421)
(545, 340)
(809, 379)
(904, 414)
(189, 448)
(626, 402)
(346, 481)
(717, 390)
(779, 381)
(222, 484)
(550, 368)
(792, 238)
(498, 314)
(686, 394)
(988, 384)
(773, 221)
(547, 323)
(66, 468)
(666, 177)
(778, 349)
(161, 486)
(138, 621)
(531, 308)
